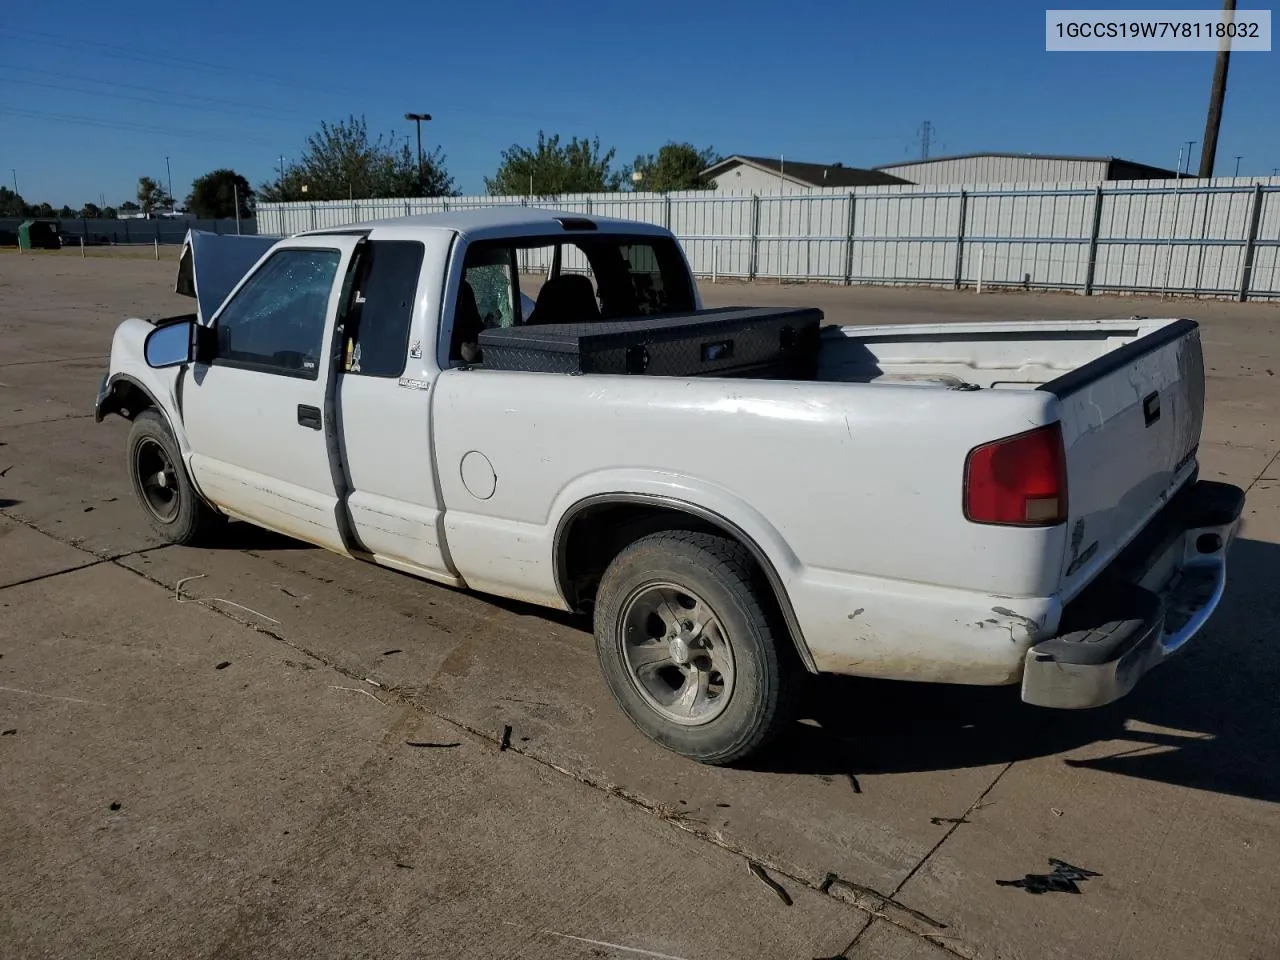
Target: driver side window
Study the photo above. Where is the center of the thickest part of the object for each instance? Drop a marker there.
(276, 321)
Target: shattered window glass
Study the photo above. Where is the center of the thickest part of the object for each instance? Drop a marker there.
(492, 284)
(277, 319)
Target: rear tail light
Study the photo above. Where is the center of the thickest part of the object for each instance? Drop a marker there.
(1018, 481)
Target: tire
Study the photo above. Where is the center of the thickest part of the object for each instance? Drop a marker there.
(176, 512)
(729, 682)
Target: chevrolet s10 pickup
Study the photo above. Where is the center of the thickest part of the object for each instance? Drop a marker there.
(537, 405)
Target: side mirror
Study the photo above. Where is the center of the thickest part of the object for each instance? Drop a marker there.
(171, 345)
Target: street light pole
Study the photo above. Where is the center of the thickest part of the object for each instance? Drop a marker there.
(1238, 157)
(1190, 144)
(417, 118)
(169, 172)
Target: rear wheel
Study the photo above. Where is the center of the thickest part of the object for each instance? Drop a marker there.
(161, 484)
(688, 649)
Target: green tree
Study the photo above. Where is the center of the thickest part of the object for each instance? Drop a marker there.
(66, 213)
(213, 196)
(129, 207)
(152, 196)
(678, 166)
(90, 211)
(44, 211)
(108, 213)
(341, 161)
(551, 168)
(402, 175)
(12, 204)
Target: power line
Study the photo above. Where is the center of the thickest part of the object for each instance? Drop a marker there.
(204, 137)
(113, 51)
(171, 63)
(234, 111)
(24, 71)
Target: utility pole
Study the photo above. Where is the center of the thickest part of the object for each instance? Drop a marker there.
(1217, 94)
(169, 172)
(282, 178)
(926, 130)
(15, 179)
(417, 118)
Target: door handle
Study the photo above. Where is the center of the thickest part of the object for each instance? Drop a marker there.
(309, 416)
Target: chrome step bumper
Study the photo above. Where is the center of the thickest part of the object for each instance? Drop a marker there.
(1152, 599)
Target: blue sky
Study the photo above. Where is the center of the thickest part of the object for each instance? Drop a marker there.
(819, 82)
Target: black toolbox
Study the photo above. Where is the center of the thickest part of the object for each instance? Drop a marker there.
(725, 342)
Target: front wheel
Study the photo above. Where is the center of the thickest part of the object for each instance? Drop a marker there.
(161, 484)
(688, 649)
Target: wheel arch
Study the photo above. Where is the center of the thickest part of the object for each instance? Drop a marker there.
(125, 396)
(579, 559)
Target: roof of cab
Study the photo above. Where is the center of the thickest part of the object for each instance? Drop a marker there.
(496, 221)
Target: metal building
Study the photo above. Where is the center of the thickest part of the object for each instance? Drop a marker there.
(992, 168)
(777, 176)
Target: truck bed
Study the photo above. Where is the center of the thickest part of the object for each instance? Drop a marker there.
(854, 482)
(1129, 397)
(1004, 355)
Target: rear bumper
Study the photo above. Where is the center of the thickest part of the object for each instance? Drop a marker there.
(1149, 602)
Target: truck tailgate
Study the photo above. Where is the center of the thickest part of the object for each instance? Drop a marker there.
(1131, 423)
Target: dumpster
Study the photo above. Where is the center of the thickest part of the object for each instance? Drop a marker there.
(39, 235)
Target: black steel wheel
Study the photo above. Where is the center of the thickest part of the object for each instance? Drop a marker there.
(160, 482)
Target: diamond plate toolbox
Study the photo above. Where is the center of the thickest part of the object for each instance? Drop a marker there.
(726, 342)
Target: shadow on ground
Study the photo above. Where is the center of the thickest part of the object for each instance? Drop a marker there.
(246, 536)
(1215, 702)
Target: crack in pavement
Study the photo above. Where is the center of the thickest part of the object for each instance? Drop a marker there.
(1263, 472)
(960, 948)
(863, 899)
(873, 904)
(69, 416)
(98, 558)
(75, 542)
(55, 573)
(28, 363)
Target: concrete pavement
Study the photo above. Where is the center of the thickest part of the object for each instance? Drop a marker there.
(888, 819)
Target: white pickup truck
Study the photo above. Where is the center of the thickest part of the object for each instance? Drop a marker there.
(975, 503)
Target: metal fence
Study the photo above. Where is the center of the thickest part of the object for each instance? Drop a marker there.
(163, 230)
(1215, 238)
